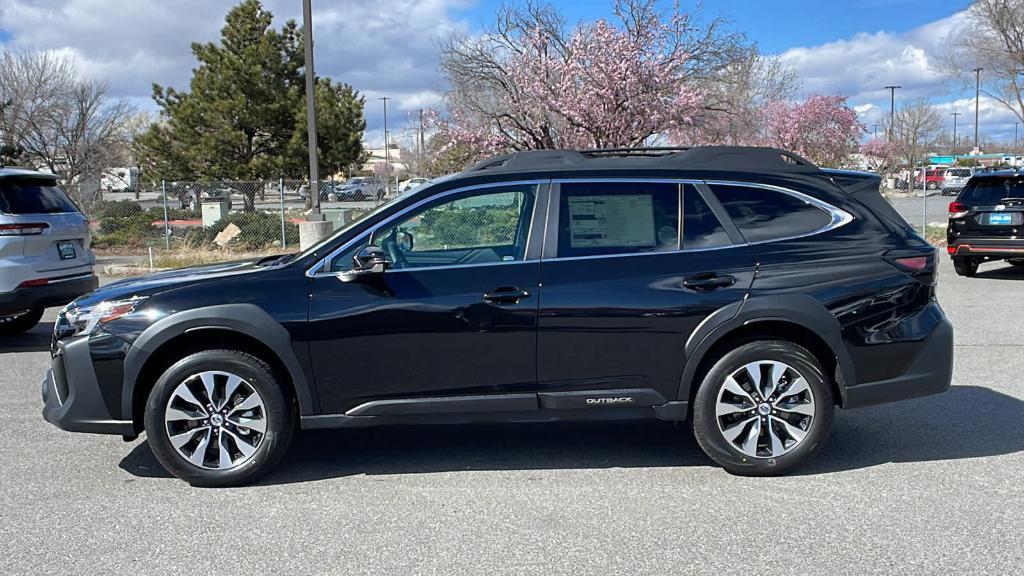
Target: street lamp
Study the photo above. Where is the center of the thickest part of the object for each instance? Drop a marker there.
(387, 150)
(874, 128)
(954, 115)
(314, 168)
(977, 92)
(892, 108)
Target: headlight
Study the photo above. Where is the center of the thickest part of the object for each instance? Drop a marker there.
(84, 320)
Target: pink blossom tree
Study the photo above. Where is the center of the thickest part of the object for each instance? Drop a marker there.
(824, 129)
(529, 84)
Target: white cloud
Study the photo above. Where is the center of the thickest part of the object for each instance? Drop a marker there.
(387, 47)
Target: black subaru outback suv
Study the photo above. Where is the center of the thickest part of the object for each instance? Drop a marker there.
(986, 221)
(742, 289)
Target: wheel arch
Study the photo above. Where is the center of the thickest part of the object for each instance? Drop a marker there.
(798, 318)
(232, 326)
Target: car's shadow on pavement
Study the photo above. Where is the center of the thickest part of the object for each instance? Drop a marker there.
(35, 340)
(1005, 272)
(965, 422)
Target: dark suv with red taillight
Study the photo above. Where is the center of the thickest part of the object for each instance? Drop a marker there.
(986, 221)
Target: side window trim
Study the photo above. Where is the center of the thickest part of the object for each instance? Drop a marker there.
(720, 212)
(543, 187)
(838, 216)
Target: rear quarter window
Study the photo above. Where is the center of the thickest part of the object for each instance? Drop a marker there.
(33, 196)
(762, 214)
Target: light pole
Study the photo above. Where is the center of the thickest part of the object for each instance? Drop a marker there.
(954, 115)
(314, 168)
(874, 128)
(977, 94)
(892, 108)
(1015, 124)
(387, 149)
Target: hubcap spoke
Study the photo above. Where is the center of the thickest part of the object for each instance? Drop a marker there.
(209, 438)
(773, 418)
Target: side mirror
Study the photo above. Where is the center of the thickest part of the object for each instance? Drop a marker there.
(369, 261)
(404, 242)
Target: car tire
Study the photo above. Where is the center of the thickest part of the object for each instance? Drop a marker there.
(966, 265)
(14, 324)
(772, 434)
(251, 423)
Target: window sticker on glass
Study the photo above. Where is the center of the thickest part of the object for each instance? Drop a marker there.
(600, 221)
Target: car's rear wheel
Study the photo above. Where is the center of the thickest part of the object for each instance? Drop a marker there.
(219, 418)
(763, 409)
(18, 322)
(966, 265)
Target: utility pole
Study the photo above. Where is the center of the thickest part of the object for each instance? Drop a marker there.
(892, 109)
(387, 149)
(419, 136)
(977, 93)
(874, 128)
(1015, 148)
(954, 115)
(314, 165)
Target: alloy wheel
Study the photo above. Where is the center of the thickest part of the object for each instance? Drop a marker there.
(765, 409)
(215, 420)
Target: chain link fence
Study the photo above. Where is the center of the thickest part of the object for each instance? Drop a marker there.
(922, 204)
(258, 217)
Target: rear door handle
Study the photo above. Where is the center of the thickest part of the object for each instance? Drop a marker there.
(708, 282)
(506, 295)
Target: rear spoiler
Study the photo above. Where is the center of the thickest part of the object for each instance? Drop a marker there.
(866, 187)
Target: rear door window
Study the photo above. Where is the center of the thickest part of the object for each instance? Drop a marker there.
(762, 214)
(701, 228)
(33, 196)
(598, 218)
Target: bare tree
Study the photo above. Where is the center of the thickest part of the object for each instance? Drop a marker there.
(992, 39)
(53, 119)
(916, 127)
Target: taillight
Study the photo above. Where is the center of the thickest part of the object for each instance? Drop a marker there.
(912, 264)
(958, 209)
(23, 229)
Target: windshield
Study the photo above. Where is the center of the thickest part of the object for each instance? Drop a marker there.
(989, 191)
(959, 172)
(353, 181)
(33, 196)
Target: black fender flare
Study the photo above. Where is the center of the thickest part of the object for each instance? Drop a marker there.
(247, 319)
(799, 309)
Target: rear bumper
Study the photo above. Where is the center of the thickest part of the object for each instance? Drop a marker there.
(57, 292)
(930, 373)
(991, 247)
(72, 399)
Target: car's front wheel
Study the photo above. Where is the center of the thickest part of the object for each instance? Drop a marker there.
(966, 265)
(763, 409)
(18, 322)
(219, 418)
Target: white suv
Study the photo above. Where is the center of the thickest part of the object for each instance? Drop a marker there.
(955, 180)
(44, 249)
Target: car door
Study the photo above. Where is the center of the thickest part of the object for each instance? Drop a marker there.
(454, 315)
(624, 286)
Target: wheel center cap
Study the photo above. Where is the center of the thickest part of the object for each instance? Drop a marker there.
(764, 409)
(217, 420)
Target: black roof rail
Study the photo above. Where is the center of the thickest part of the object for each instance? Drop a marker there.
(738, 158)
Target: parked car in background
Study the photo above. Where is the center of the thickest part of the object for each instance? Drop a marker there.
(742, 289)
(406, 185)
(361, 188)
(44, 249)
(955, 179)
(932, 179)
(986, 220)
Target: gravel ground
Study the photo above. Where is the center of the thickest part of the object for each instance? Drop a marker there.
(926, 486)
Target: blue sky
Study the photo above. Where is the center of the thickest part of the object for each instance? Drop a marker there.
(388, 47)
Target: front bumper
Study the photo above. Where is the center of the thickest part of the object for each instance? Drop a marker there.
(991, 247)
(72, 399)
(930, 373)
(57, 292)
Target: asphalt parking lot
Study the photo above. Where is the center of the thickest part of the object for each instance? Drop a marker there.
(927, 486)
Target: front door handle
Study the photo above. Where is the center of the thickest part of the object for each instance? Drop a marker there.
(506, 295)
(708, 282)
